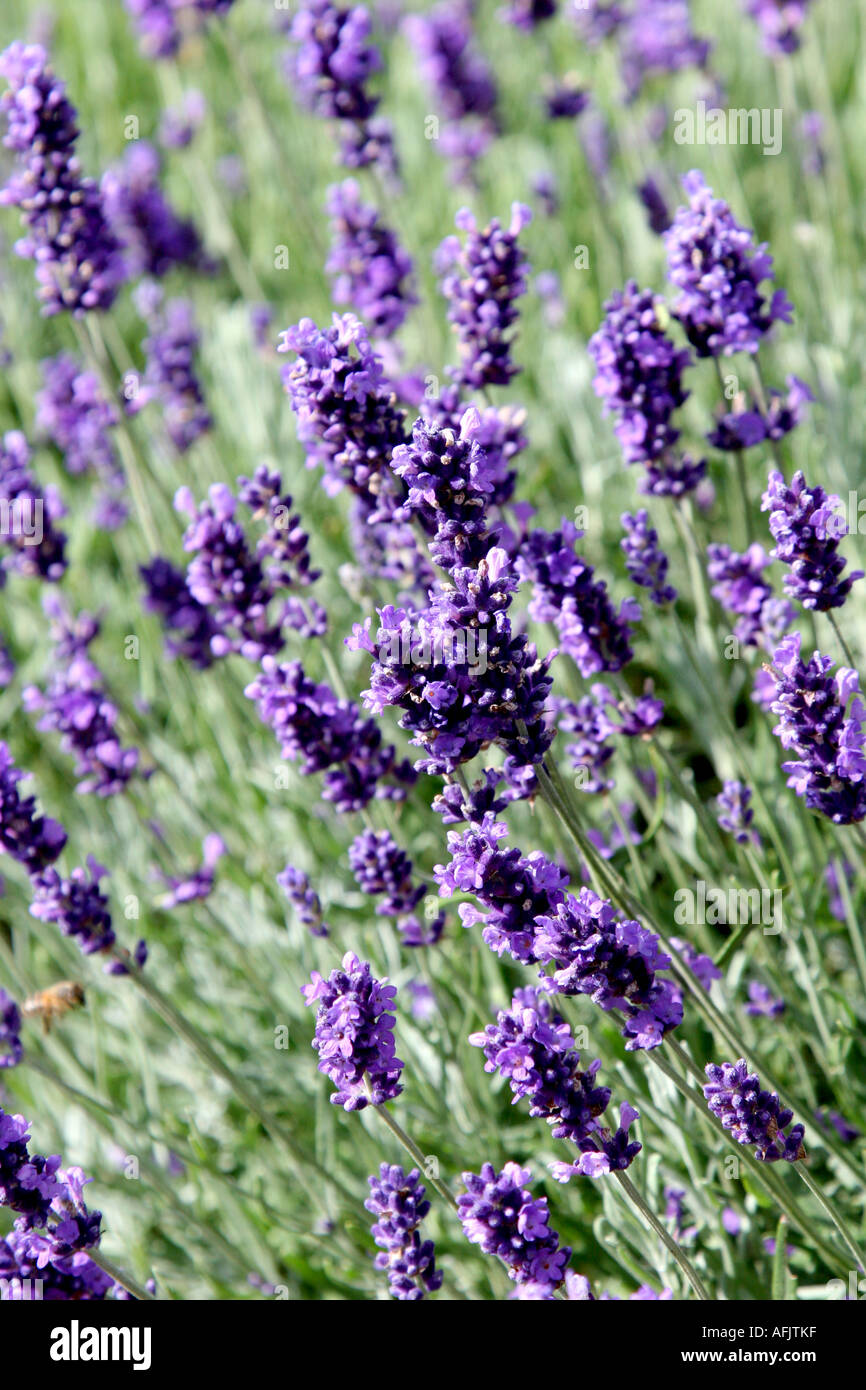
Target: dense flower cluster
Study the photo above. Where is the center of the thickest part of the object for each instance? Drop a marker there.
(466, 680)
(155, 239)
(533, 1048)
(170, 376)
(78, 258)
(657, 38)
(370, 270)
(190, 628)
(33, 840)
(804, 524)
(718, 270)
(753, 1116)
(324, 733)
(639, 373)
(645, 561)
(11, 1050)
(27, 516)
(76, 905)
(483, 280)
(565, 592)
(54, 1228)
(459, 80)
(75, 703)
(516, 890)
(399, 1203)
(383, 869)
(590, 751)
(614, 961)
(73, 413)
(824, 730)
(355, 1034)
(162, 24)
(306, 901)
(739, 585)
(499, 1213)
(780, 22)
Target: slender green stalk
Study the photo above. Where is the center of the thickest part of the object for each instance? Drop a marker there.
(664, 1236)
(125, 1280)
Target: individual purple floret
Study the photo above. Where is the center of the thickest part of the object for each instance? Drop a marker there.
(355, 1034)
(76, 905)
(154, 238)
(739, 585)
(780, 22)
(702, 967)
(170, 376)
(762, 1002)
(162, 24)
(306, 901)
(370, 270)
(200, 883)
(657, 38)
(639, 373)
(806, 528)
(190, 628)
(590, 752)
(74, 702)
(824, 730)
(718, 269)
(327, 734)
(499, 1213)
(565, 592)
(515, 889)
(753, 1116)
(532, 1046)
(735, 814)
(595, 952)
(33, 840)
(483, 280)
(27, 516)
(460, 676)
(11, 1050)
(645, 561)
(458, 78)
(79, 266)
(398, 1201)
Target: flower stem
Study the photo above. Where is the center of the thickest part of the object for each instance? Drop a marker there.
(125, 1280)
(664, 1236)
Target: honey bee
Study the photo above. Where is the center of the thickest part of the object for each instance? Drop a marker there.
(52, 1003)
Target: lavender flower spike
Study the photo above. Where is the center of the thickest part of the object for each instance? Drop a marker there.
(11, 1050)
(306, 901)
(806, 528)
(753, 1116)
(645, 561)
(485, 278)
(36, 547)
(355, 1034)
(371, 272)
(398, 1201)
(499, 1213)
(79, 266)
(33, 840)
(718, 270)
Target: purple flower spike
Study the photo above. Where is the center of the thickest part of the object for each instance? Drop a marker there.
(155, 239)
(11, 1050)
(818, 724)
(162, 24)
(383, 869)
(28, 514)
(740, 587)
(33, 840)
(305, 899)
(355, 1034)
(371, 272)
(398, 1201)
(753, 1116)
(718, 270)
(459, 80)
(499, 1213)
(806, 528)
(485, 278)
(533, 1048)
(591, 631)
(658, 39)
(190, 627)
(780, 22)
(639, 373)
(735, 814)
(762, 1003)
(645, 561)
(170, 376)
(76, 905)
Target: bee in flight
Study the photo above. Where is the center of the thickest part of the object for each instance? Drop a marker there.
(52, 1003)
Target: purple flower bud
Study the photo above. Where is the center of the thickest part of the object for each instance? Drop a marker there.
(753, 1116)
(806, 529)
(485, 277)
(499, 1213)
(398, 1202)
(355, 1034)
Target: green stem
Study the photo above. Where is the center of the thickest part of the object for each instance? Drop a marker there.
(125, 1280)
(664, 1236)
